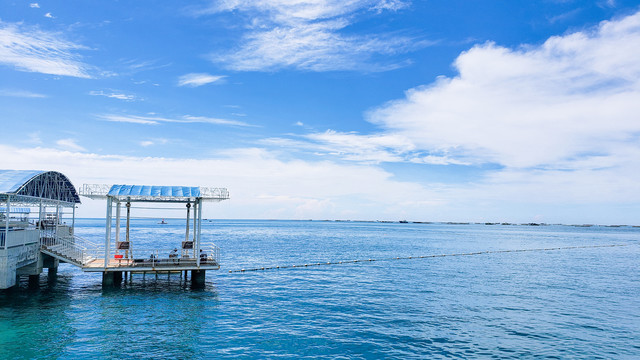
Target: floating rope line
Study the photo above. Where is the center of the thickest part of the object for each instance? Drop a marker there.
(422, 257)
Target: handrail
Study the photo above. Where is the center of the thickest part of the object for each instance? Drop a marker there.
(164, 256)
(80, 251)
(70, 247)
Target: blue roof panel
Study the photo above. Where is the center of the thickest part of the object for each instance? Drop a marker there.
(154, 191)
(12, 180)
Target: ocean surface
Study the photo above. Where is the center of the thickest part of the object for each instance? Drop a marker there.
(579, 303)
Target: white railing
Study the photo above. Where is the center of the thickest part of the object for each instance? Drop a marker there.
(18, 237)
(70, 248)
(159, 257)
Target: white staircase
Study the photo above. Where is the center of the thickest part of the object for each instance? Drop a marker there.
(71, 249)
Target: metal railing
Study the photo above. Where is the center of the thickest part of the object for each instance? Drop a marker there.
(165, 257)
(70, 248)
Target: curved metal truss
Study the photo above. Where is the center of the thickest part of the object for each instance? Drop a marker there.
(47, 185)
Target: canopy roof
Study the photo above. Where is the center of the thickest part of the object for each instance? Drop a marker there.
(32, 185)
(154, 193)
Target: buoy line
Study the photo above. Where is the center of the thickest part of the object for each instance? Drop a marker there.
(263, 268)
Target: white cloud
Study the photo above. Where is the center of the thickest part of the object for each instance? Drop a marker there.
(21, 93)
(114, 95)
(198, 79)
(69, 144)
(571, 98)
(263, 186)
(308, 35)
(34, 5)
(155, 120)
(33, 50)
(48, 15)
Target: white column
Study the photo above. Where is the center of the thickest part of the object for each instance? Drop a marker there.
(199, 228)
(128, 251)
(6, 225)
(195, 212)
(107, 238)
(186, 236)
(73, 220)
(117, 221)
(57, 220)
(196, 253)
(40, 226)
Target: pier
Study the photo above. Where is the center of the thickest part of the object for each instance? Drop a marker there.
(24, 236)
(28, 244)
(121, 256)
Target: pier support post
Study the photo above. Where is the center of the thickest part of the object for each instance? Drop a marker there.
(107, 279)
(52, 275)
(34, 281)
(117, 277)
(197, 278)
(111, 278)
(51, 264)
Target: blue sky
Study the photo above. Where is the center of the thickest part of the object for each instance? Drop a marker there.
(427, 110)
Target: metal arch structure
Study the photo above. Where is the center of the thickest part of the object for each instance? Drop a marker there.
(50, 187)
(23, 243)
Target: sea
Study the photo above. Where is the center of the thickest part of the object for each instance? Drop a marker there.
(572, 295)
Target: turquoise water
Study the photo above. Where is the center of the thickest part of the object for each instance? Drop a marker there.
(579, 303)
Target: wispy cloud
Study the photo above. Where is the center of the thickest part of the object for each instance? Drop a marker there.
(48, 15)
(114, 95)
(185, 119)
(34, 50)
(34, 138)
(69, 144)
(156, 141)
(34, 5)
(21, 93)
(199, 79)
(373, 148)
(309, 35)
(133, 66)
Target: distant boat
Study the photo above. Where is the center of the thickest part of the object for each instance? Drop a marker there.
(163, 222)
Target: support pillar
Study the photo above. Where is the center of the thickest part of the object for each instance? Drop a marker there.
(117, 277)
(127, 251)
(107, 279)
(52, 271)
(107, 239)
(186, 236)
(34, 281)
(6, 224)
(197, 278)
(199, 232)
(117, 222)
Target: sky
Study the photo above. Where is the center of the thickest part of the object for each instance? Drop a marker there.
(480, 111)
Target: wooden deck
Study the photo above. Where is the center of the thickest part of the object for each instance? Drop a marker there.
(150, 265)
